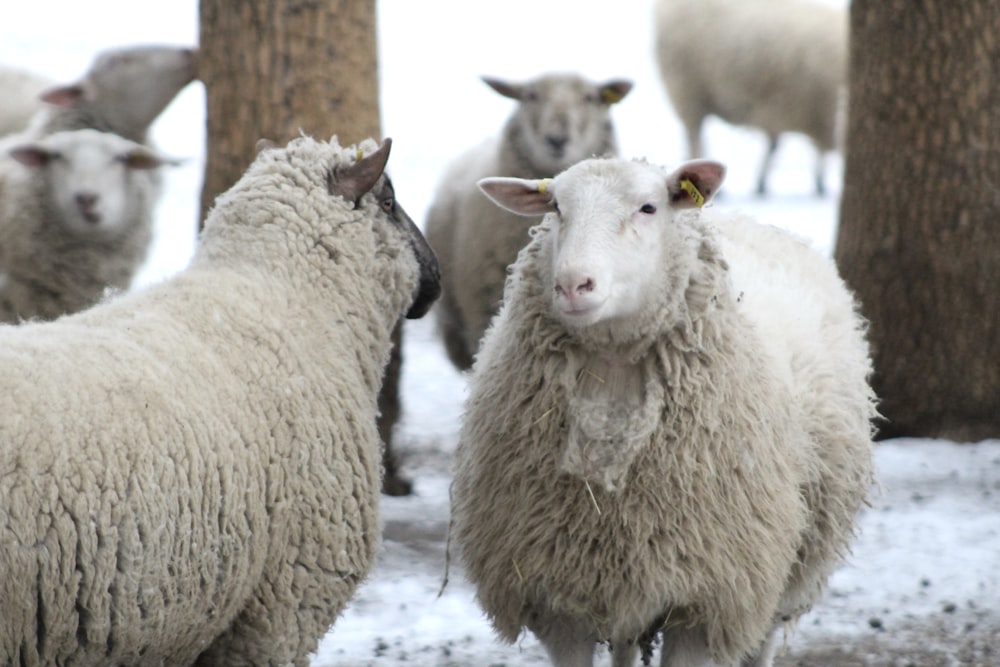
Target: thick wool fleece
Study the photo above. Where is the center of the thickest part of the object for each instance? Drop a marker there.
(726, 509)
(190, 473)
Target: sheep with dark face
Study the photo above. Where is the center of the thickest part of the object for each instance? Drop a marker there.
(668, 427)
(190, 472)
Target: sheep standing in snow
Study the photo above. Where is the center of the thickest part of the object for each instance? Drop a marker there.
(21, 99)
(190, 473)
(123, 91)
(668, 427)
(776, 65)
(76, 219)
(559, 120)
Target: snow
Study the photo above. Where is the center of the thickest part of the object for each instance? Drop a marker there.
(922, 573)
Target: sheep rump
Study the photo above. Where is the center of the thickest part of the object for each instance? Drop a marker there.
(748, 459)
(190, 472)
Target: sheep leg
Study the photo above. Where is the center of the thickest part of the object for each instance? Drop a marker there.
(764, 657)
(567, 643)
(693, 128)
(820, 163)
(684, 647)
(624, 653)
(765, 167)
(393, 484)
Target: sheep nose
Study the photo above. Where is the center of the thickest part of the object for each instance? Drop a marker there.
(557, 142)
(573, 286)
(86, 200)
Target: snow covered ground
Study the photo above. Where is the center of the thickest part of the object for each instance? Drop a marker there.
(922, 586)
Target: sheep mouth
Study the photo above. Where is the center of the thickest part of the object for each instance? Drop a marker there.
(91, 217)
(579, 315)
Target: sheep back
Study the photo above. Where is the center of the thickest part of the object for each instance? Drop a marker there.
(20, 102)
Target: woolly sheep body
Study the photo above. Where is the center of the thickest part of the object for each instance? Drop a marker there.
(740, 386)
(776, 66)
(75, 224)
(21, 90)
(190, 472)
(475, 240)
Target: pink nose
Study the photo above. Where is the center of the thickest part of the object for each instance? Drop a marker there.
(573, 286)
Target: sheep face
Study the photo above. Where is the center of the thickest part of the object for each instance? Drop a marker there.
(132, 85)
(561, 119)
(88, 179)
(367, 175)
(613, 233)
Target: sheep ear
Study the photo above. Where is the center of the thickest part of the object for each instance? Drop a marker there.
(505, 88)
(63, 96)
(352, 181)
(264, 145)
(694, 183)
(31, 155)
(519, 195)
(614, 91)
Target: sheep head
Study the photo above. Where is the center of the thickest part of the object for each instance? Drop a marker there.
(561, 118)
(611, 223)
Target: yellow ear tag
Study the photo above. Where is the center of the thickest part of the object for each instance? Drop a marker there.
(696, 196)
(611, 95)
(543, 185)
(361, 154)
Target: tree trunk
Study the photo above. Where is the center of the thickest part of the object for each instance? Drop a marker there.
(275, 69)
(919, 237)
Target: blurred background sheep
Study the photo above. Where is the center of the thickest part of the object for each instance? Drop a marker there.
(776, 65)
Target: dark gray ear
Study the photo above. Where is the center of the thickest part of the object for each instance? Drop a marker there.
(352, 181)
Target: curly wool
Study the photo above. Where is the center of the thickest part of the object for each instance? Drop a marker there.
(735, 488)
(190, 473)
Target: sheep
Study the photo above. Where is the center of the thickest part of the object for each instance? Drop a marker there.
(559, 120)
(22, 90)
(190, 472)
(76, 220)
(123, 91)
(777, 66)
(668, 426)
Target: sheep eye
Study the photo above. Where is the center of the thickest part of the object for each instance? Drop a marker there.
(648, 209)
(530, 96)
(387, 204)
(590, 98)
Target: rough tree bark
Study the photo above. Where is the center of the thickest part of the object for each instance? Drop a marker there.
(279, 68)
(919, 237)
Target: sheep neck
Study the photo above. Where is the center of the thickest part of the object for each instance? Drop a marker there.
(612, 412)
